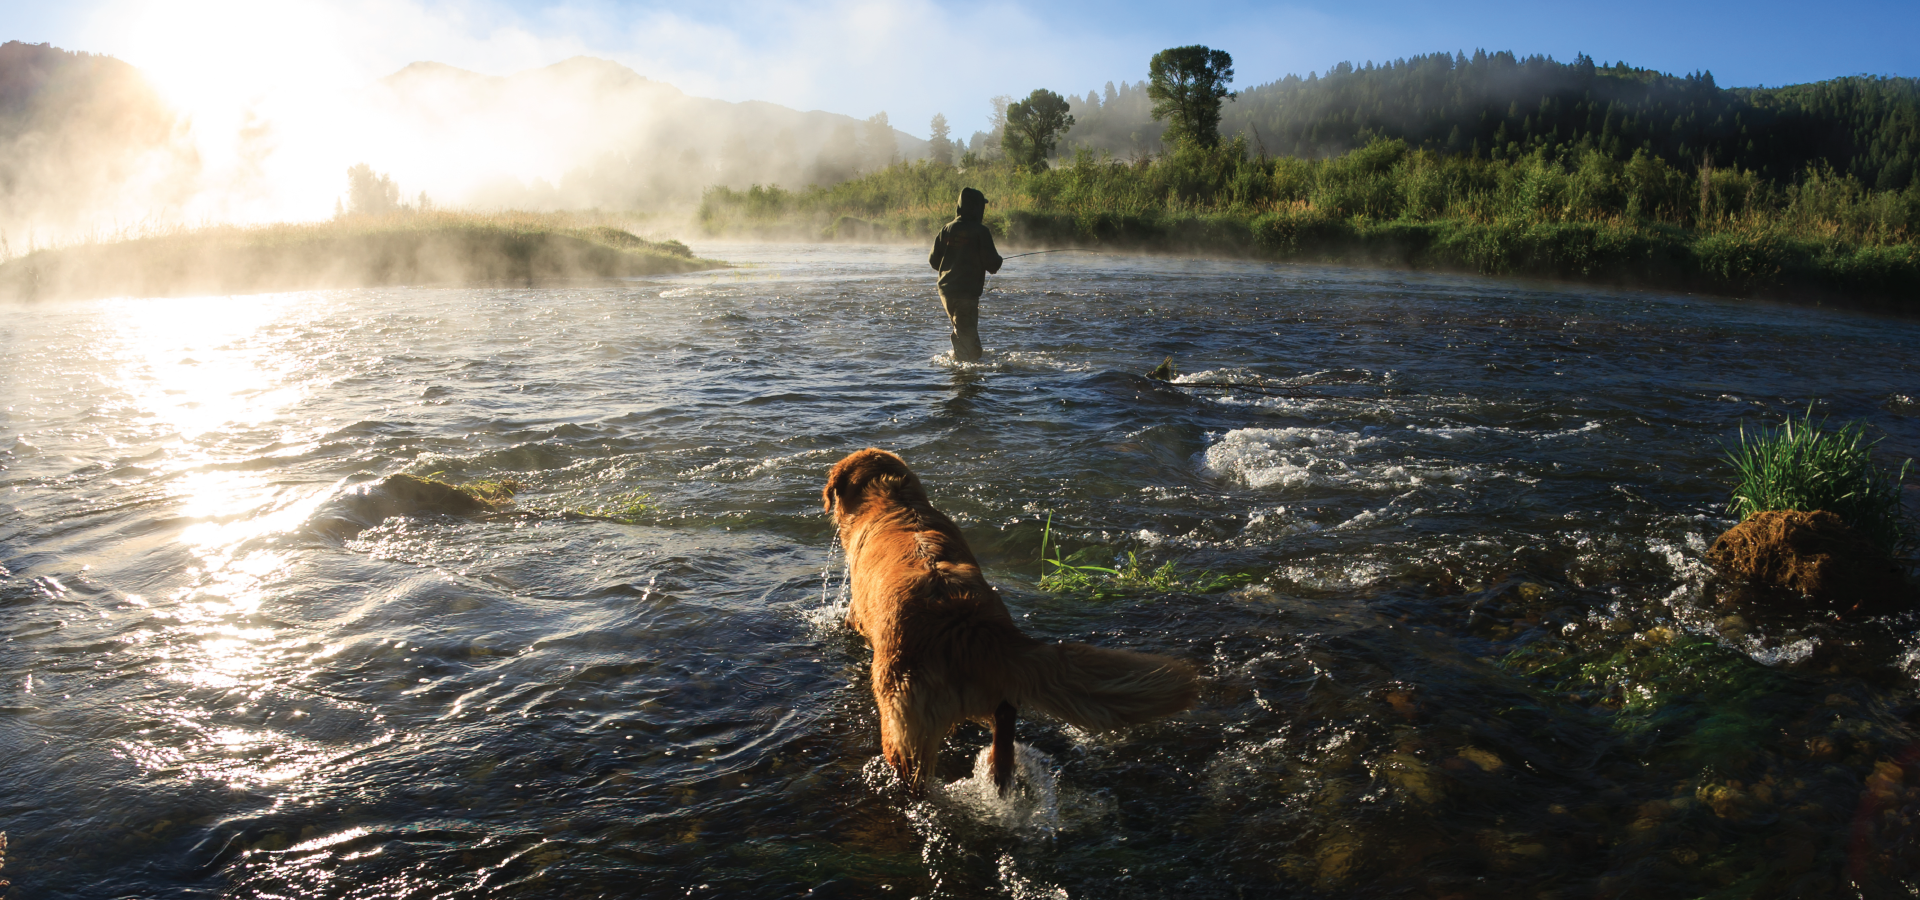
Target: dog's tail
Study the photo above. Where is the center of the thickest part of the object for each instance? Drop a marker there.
(1099, 689)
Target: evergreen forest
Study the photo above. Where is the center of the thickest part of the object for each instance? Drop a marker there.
(1495, 105)
(1499, 106)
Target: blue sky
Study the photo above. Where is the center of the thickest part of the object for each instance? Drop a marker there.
(913, 59)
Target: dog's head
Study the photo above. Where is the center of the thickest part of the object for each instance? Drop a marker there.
(863, 474)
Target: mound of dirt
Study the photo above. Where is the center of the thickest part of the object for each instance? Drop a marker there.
(1812, 554)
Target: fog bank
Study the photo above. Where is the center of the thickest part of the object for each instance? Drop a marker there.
(90, 150)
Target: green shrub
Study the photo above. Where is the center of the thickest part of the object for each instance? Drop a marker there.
(1300, 229)
(1802, 465)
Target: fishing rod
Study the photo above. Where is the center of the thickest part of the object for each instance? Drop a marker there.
(1061, 250)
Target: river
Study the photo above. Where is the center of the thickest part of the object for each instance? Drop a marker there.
(1470, 648)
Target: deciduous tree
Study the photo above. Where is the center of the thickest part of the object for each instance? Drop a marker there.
(1187, 85)
(1034, 126)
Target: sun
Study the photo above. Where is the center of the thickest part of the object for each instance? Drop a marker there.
(262, 91)
(213, 56)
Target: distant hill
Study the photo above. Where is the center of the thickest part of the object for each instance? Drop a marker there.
(628, 140)
(88, 147)
(82, 137)
(1500, 105)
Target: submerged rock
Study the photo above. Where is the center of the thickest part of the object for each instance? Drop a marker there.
(1815, 555)
(367, 505)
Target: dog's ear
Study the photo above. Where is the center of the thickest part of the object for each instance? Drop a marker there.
(838, 480)
(843, 483)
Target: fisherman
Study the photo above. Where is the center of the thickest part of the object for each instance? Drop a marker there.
(963, 254)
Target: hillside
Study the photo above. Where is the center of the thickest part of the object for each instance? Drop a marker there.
(88, 147)
(1500, 106)
(82, 137)
(589, 132)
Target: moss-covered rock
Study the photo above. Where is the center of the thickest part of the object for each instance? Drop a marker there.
(367, 505)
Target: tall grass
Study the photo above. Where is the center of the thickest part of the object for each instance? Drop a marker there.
(1073, 575)
(1574, 214)
(1802, 465)
(430, 247)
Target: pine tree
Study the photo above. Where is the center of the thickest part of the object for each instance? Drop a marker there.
(940, 145)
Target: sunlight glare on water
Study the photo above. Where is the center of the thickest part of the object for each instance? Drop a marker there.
(1469, 645)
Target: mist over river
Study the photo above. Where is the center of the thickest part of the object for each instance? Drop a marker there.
(1477, 653)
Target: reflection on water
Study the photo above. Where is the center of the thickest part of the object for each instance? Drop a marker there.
(198, 385)
(185, 371)
(967, 385)
(1480, 655)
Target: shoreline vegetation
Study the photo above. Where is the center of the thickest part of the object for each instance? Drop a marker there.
(1553, 213)
(1494, 164)
(407, 247)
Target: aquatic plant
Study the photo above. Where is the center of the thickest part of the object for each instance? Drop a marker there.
(494, 492)
(482, 494)
(625, 508)
(1805, 466)
(1063, 575)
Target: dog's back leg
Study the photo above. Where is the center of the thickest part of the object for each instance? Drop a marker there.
(1002, 758)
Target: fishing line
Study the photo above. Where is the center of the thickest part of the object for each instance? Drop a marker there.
(1064, 250)
(1270, 391)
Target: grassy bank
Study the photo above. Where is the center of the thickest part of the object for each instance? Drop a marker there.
(354, 251)
(1585, 217)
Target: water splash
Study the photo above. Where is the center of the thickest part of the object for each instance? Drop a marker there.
(1021, 887)
(836, 595)
(1036, 808)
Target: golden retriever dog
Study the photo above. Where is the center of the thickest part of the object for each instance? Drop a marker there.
(944, 647)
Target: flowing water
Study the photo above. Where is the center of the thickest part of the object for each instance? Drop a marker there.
(1470, 648)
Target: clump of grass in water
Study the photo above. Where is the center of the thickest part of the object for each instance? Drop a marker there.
(1803, 466)
(1124, 578)
(493, 491)
(626, 508)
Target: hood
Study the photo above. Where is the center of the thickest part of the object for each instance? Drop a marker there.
(973, 205)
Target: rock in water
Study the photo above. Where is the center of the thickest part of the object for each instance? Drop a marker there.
(367, 505)
(400, 495)
(1813, 554)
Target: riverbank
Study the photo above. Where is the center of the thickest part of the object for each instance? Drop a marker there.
(1592, 219)
(415, 248)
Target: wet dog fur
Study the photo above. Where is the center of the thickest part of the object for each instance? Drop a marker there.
(945, 649)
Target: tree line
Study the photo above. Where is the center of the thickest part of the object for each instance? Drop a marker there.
(1497, 105)
(1547, 200)
(1493, 106)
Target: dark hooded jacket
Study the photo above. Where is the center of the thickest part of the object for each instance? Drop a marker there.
(963, 251)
